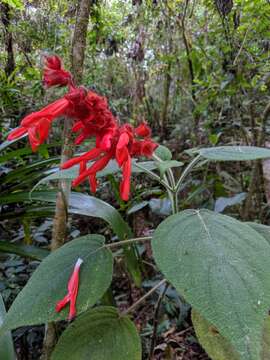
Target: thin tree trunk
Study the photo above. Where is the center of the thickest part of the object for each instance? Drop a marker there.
(62, 201)
(79, 39)
(5, 18)
(166, 94)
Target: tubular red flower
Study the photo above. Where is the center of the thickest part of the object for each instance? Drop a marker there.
(16, 133)
(122, 145)
(71, 297)
(89, 155)
(54, 74)
(97, 166)
(125, 183)
(143, 130)
(37, 124)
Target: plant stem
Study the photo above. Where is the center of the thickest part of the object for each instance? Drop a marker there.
(155, 322)
(186, 171)
(154, 176)
(145, 296)
(129, 241)
(170, 181)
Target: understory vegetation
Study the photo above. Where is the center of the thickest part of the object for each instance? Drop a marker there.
(135, 179)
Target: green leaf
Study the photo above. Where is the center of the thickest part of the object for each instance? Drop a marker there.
(221, 267)
(17, 4)
(36, 303)
(263, 230)
(235, 153)
(6, 344)
(163, 153)
(165, 165)
(99, 334)
(28, 251)
(216, 346)
(21, 196)
(137, 206)
(83, 204)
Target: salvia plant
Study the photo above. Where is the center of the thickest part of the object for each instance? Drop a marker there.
(218, 264)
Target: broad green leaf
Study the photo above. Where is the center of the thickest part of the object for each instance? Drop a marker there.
(36, 303)
(219, 348)
(235, 153)
(6, 344)
(216, 346)
(32, 252)
(163, 153)
(165, 165)
(263, 230)
(83, 204)
(99, 334)
(221, 267)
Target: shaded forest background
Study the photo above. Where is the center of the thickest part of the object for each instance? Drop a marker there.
(198, 71)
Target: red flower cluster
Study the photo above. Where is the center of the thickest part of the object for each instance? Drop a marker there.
(92, 118)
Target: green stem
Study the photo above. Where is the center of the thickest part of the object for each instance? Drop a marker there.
(154, 176)
(171, 190)
(125, 242)
(186, 172)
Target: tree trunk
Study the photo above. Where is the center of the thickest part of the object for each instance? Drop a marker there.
(79, 39)
(62, 201)
(5, 18)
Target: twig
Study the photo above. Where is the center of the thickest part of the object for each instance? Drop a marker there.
(133, 306)
(129, 241)
(155, 322)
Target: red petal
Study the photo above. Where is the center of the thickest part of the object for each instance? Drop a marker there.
(93, 183)
(73, 286)
(123, 141)
(77, 126)
(125, 184)
(89, 155)
(62, 303)
(143, 130)
(14, 134)
(34, 141)
(43, 130)
(121, 155)
(148, 147)
(53, 62)
(97, 166)
(51, 111)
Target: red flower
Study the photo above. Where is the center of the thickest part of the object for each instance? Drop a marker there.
(122, 145)
(37, 124)
(54, 74)
(73, 286)
(92, 118)
(143, 130)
